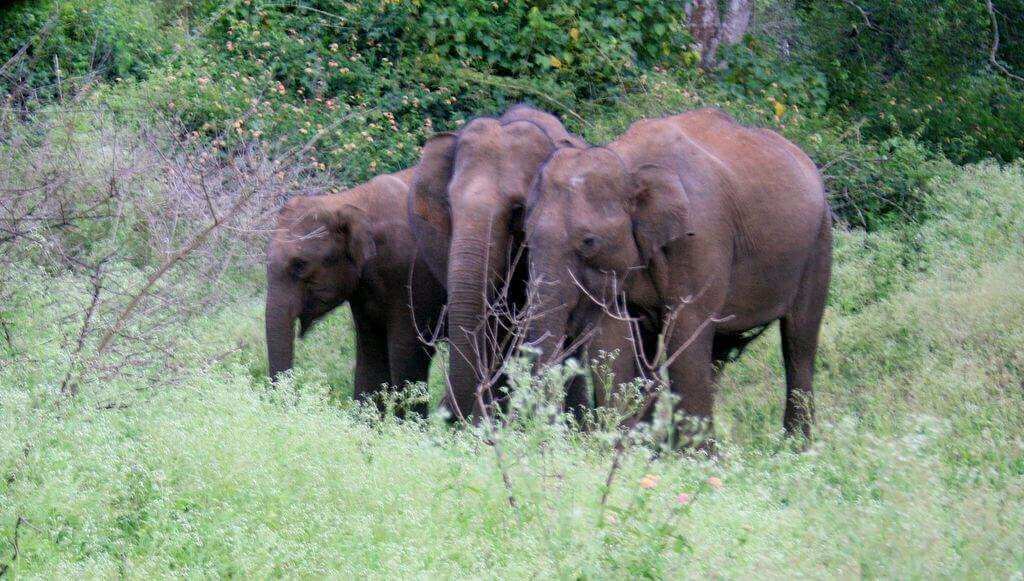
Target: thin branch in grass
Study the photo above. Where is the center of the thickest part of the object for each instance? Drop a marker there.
(15, 546)
(863, 14)
(67, 387)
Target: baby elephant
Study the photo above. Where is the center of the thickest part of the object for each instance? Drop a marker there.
(355, 246)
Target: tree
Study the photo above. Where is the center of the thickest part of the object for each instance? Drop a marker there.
(710, 30)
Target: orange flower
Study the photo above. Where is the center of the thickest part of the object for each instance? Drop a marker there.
(715, 482)
(649, 481)
(683, 499)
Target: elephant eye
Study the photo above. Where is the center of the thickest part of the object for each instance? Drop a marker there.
(588, 245)
(296, 267)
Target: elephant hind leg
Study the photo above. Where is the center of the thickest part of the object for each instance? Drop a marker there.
(371, 361)
(577, 398)
(409, 361)
(799, 329)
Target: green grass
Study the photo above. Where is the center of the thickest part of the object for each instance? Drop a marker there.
(917, 470)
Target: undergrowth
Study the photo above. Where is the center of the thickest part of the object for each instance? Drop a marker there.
(201, 467)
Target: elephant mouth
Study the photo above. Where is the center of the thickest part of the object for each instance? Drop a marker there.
(306, 321)
(305, 324)
(316, 308)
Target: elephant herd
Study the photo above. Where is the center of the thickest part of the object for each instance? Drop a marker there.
(675, 244)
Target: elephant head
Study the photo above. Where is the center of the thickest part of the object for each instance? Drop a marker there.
(595, 228)
(465, 208)
(315, 261)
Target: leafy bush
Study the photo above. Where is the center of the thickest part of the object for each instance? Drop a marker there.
(919, 68)
(403, 69)
(755, 71)
(71, 40)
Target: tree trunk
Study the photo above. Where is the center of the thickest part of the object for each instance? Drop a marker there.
(710, 30)
(737, 19)
(704, 23)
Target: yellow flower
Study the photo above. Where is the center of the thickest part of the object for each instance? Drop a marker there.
(555, 62)
(779, 109)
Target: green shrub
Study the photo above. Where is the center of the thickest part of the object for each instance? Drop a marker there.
(403, 69)
(754, 71)
(70, 40)
(920, 68)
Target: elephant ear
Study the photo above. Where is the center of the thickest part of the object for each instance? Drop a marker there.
(660, 216)
(429, 210)
(351, 228)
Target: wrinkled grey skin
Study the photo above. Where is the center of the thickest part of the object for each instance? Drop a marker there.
(725, 226)
(354, 247)
(465, 211)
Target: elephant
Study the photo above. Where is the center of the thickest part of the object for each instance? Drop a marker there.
(355, 247)
(712, 229)
(465, 209)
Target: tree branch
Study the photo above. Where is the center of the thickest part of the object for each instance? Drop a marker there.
(995, 44)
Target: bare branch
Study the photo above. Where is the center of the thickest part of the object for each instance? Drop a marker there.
(863, 14)
(995, 44)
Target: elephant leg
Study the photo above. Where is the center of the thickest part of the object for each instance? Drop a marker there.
(409, 360)
(577, 398)
(612, 335)
(691, 379)
(371, 361)
(799, 329)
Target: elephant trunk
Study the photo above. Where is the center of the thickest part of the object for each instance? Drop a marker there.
(553, 298)
(475, 266)
(281, 313)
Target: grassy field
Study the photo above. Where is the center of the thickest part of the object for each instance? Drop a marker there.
(917, 470)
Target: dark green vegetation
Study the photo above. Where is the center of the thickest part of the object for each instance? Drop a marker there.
(125, 123)
(857, 84)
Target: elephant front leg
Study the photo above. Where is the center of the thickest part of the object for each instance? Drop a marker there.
(613, 336)
(690, 369)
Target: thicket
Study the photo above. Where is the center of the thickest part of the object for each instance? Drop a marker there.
(878, 92)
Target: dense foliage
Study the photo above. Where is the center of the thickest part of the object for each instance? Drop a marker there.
(873, 76)
(920, 68)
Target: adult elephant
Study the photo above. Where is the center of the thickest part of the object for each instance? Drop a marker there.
(465, 208)
(718, 228)
(355, 247)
